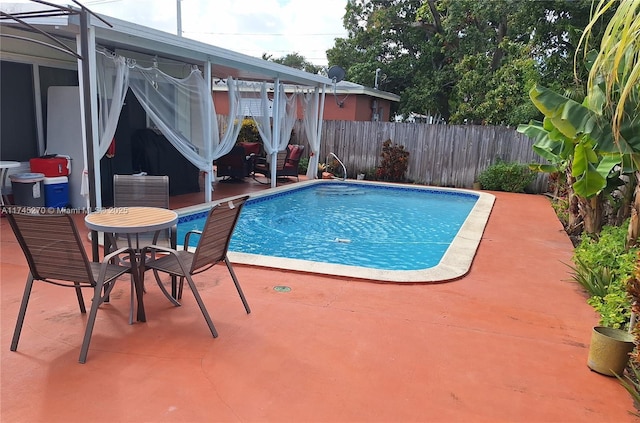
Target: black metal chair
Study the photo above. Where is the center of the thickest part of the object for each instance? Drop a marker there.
(211, 249)
(55, 254)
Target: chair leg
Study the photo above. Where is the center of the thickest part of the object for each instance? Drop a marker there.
(98, 299)
(131, 300)
(23, 311)
(164, 290)
(180, 288)
(205, 313)
(237, 284)
(174, 287)
(80, 299)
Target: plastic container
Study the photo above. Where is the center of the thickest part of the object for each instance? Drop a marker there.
(51, 166)
(56, 191)
(27, 189)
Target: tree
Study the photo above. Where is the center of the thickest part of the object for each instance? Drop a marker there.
(294, 60)
(577, 140)
(465, 60)
(617, 63)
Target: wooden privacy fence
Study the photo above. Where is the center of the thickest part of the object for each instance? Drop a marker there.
(440, 155)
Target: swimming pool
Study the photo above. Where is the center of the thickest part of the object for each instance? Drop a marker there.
(361, 229)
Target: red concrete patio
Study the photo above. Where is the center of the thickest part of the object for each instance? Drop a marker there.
(506, 343)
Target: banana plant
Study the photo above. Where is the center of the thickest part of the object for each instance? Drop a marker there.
(577, 141)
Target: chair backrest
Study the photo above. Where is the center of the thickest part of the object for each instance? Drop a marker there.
(132, 191)
(53, 248)
(234, 163)
(143, 191)
(282, 158)
(216, 234)
(294, 154)
(252, 148)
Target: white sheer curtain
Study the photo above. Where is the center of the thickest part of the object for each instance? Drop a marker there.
(285, 108)
(112, 84)
(234, 122)
(183, 110)
(311, 101)
(113, 81)
(275, 130)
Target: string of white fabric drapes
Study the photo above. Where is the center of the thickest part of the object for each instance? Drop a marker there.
(112, 83)
(287, 113)
(113, 80)
(311, 101)
(182, 109)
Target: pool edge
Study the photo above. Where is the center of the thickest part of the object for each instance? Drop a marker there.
(455, 263)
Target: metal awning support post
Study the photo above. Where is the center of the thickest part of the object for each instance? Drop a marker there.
(276, 131)
(320, 118)
(209, 176)
(86, 42)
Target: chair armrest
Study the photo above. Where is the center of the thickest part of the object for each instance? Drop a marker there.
(158, 248)
(188, 235)
(117, 252)
(111, 256)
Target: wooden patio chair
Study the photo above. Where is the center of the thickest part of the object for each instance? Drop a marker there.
(55, 254)
(287, 164)
(211, 249)
(235, 165)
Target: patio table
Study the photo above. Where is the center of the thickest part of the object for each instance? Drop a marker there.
(133, 221)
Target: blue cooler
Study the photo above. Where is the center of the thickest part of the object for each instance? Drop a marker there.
(27, 189)
(56, 191)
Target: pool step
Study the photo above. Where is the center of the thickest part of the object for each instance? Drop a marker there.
(339, 190)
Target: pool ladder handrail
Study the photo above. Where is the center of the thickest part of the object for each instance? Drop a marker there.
(344, 168)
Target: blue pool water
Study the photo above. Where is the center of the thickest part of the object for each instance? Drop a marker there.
(371, 226)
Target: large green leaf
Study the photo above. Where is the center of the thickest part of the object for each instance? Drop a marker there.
(589, 184)
(607, 163)
(583, 157)
(589, 181)
(549, 143)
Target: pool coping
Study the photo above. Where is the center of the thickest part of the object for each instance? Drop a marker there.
(454, 264)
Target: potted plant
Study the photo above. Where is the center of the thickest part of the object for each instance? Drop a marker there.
(321, 168)
(609, 350)
(602, 266)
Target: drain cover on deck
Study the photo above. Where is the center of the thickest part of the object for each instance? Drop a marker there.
(281, 288)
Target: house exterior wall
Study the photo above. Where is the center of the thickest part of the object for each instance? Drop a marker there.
(355, 107)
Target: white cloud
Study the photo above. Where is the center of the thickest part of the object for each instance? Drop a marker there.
(253, 27)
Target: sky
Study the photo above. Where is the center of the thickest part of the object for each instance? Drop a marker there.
(252, 27)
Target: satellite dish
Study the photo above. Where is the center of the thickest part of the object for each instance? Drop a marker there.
(336, 73)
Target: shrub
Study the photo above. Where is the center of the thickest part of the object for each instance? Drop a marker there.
(370, 174)
(303, 165)
(249, 132)
(595, 281)
(603, 267)
(395, 161)
(503, 176)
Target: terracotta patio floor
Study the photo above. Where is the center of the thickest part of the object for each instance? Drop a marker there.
(506, 343)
